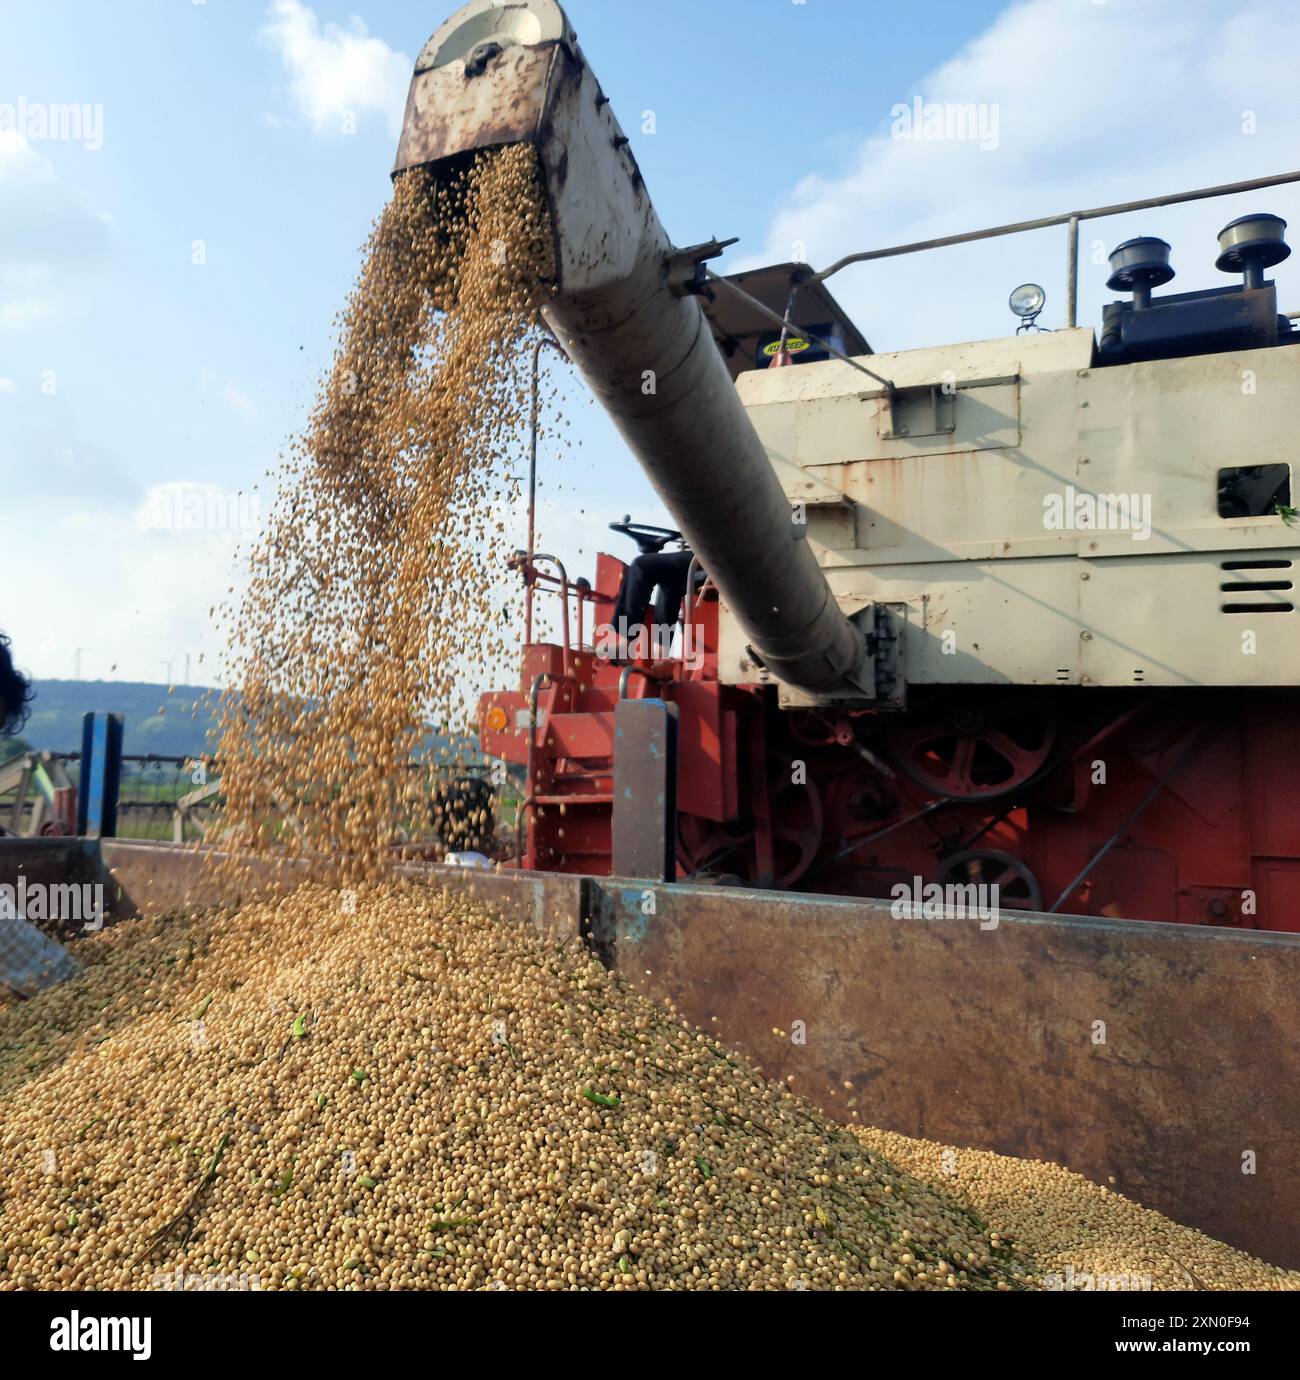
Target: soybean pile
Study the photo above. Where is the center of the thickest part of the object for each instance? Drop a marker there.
(1082, 1235)
(375, 591)
(390, 1087)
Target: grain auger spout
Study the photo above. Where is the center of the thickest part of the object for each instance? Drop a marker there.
(499, 73)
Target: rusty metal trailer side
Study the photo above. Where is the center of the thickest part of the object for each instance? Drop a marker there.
(1160, 1055)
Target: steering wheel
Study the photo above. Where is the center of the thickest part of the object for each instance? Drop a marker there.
(649, 540)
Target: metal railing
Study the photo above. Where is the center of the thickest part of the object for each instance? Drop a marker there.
(159, 795)
(545, 342)
(1071, 219)
(1068, 218)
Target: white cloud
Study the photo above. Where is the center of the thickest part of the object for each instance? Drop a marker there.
(191, 508)
(57, 461)
(239, 400)
(49, 234)
(1094, 104)
(160, 562)
(7, 386)
(337, 73)
(229, 391)
(153, 589)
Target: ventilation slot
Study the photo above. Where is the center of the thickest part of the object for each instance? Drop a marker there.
(1256, 565)
(1257, 608)
(1249, 586)
(1063, 673)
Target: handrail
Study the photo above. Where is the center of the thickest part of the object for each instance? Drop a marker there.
(628, 671)
(564, 601)
(688, 608)
(543, 342)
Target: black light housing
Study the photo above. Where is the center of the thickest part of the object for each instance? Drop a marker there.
(1137, 266)
(1250, 244)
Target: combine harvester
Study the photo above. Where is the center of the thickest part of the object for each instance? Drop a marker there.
(894, 660)
(1011, 612)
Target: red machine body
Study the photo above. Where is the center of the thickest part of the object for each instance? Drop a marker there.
(1179, 805)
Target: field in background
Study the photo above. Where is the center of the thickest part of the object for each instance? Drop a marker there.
(153, 787)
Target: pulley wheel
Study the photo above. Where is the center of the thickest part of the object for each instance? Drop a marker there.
(976, 752)
(1017, 886)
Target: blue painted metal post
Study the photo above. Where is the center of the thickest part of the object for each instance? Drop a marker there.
(101, 775)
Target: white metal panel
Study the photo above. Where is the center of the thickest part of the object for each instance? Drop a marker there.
(963, 535)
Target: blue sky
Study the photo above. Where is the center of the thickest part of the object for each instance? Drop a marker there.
(125, 365)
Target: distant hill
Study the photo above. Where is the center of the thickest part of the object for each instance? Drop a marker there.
(171, 725)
